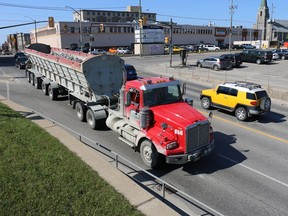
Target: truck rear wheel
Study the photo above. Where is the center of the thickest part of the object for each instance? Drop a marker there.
(91, 119)
(149, 154)
(45, 88)
(81, 110)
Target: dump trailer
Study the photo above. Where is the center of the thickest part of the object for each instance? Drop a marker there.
(149, 114)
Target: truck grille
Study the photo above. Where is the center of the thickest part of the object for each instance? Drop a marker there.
(197, 135)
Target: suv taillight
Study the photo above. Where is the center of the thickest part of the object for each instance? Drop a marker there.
(253, 103)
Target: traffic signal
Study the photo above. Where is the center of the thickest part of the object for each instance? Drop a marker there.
(51, 22)
(144, 21)
(167, 40)
(101, 27)
(65, 27)
(140, 23)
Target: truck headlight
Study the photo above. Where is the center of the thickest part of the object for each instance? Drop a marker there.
(172, 145)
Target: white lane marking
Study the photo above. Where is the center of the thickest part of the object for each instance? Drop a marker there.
(253, 170)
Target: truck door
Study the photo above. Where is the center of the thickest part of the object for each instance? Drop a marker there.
(132, 111)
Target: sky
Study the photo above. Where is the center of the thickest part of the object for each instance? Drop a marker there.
(194, 12)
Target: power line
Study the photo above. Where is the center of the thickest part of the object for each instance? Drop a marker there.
(50, 8)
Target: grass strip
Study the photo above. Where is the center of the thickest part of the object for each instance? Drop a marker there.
(40, 176)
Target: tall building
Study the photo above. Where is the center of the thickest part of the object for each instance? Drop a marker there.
(273, 30)
(262, 18)
(104, 16)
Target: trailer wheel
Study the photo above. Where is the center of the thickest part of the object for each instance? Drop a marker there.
(45, 88)
(81, 110)
(149, 154)
(37, 81)
(53, 93)
(32, 75)
(29, 75)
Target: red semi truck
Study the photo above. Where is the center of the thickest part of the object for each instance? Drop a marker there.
(149, 114)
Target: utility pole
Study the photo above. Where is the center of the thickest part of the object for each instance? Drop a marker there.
(170, 42)
(232, 8)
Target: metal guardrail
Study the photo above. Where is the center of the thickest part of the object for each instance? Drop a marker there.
(128, 164)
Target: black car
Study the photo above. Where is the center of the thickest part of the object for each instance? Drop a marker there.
(235, 59)
(283, 53)
(256, 56)
(21, 61)
(131, 72)
(19, 54)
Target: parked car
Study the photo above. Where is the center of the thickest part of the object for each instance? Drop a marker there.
(112, 50)
(235, 59)
(217, 63)
(20, 62)
(211, 47)
(282, 53)
(247, 46)
(17, 54)
(275, 56)
(198, 48)
(131, 72)
(123, 50)
(237, 47)
(175, 49)
(256, 56)
(98, 51)
(243, 98)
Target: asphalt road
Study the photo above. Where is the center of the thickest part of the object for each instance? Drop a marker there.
(245, 175)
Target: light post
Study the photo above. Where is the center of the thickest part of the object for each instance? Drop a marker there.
(80, 26)
(140, 28)
(35, 28)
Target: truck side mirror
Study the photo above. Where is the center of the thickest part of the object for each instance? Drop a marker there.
(184, 89)
(128, 99)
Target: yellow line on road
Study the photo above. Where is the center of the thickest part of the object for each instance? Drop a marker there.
(250, 129)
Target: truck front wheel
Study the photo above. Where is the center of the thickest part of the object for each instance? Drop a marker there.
(81, 111)
(149, 154)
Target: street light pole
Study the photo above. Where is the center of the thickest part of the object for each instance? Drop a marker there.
(140, 28)
(35, 28)
(80, 26)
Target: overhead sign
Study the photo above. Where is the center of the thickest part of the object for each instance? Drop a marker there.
(150, 35)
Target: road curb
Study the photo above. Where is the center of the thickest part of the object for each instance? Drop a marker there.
(136, 195)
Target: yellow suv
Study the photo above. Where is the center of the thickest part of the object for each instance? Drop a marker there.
(243, 98)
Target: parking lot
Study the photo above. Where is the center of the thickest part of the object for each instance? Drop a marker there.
(272, 76)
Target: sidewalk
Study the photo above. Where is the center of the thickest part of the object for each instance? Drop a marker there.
(137, 196)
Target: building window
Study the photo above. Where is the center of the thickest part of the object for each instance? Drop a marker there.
(93, 19)
(87, 13)
(111, 29)
(72, 29)
(124, 29)
(119, 29)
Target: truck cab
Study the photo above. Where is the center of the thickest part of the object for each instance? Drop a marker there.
(160, 124)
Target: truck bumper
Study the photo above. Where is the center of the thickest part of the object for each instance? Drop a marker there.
(185, 158)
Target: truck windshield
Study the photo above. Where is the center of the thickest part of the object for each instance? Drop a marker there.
(163, 95)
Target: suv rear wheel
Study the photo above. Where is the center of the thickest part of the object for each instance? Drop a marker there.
(199, 65)
(241, 113)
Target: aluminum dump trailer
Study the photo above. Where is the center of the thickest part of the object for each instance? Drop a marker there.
(91, 81)
(87, 77)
